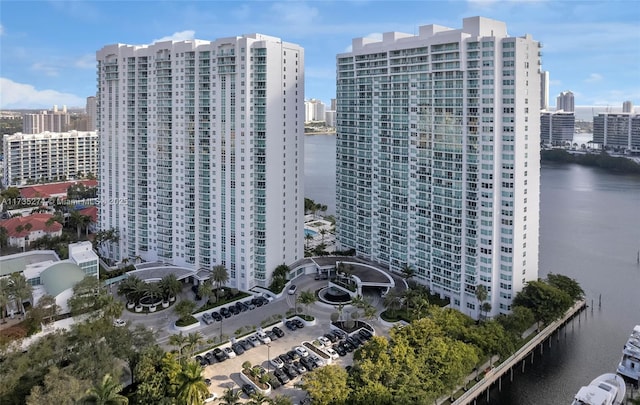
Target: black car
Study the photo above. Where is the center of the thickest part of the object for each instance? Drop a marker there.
(257, 302)
(219, 354)
(274, 382)
(339, 333)
(348, 346)
(359, 339)
(298, 323)
(291, 325)
(339, 348)
(216, 316)
(237, 348)
(293, 355)
(207, 381)
(271, 335)
(308, 363)
(225, 312)
(248, 389)
(291, 371)
(365, 334)
(281, 376)
(355, 343)
(245, 345)
(209, 358)
(202, 361)
(333, 338)
(279, 333)
(241, 307)
(286, 359)
(234, 310)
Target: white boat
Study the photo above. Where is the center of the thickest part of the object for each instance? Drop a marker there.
(630, 364)
(608, 389)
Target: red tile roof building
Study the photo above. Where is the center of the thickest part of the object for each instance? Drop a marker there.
(20, 235)
(53, 189)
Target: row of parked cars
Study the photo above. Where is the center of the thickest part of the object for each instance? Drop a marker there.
(238, 347)
(235, 309)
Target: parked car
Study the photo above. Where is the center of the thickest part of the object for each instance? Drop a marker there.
(290, 325)
(339, 333)
(271, 335)
(250, 305)
(334, 355)
(209, 358)
(253, 339)
(237, 348)
(348, 346)
(263, 337)
(248, 389)
(245, 345)
(332, 338)
(229, 352)
(216, 316)
(276, 362)
(365, 334)
(293, 355)
(325, 342)
(225, 312)
(302, 352)
(291, 371)
(278, 332)
(286, 359)
(281, 376)
(339, 348)
(298, 323)
(241, 306)
(207, 381)
(274, 382)
(207, 318)
(353, 341)
(219, 354)
(234, 310)
(299, 367)
(257, 301)
(292, 289)
(308, 363)
(202, 361)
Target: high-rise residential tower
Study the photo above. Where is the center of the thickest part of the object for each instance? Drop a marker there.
(91, 110)
(557, 128)
(202, 153)
(565, 102)
(53, 120)
(627, 107)
(544, 90)
(438, 162)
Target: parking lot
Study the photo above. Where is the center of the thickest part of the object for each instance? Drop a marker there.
(227, 373)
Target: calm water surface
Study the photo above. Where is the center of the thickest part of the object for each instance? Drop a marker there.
(590, 231)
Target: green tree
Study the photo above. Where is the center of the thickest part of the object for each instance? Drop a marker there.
(88, 295)
(48, 307)
(230, 397)
(77, 219)
(178, 340)
(20, 289)
(481, 296)
(281, 400)
(194, 340)
(58, 388)
(5, 296)
(307, 298)
(566, 284)
(327, 385)
(408, 271)
(220, 276)
(192, 389)
(184, 308)
(393, 303)
(106, 393)
(259, 399)
(547, 302)
(519, 320)
(170, 286)
(131, 287)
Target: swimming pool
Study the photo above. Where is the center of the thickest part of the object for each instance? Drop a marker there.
(309, 232)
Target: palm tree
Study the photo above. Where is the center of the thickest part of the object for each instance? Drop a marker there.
(323, 232)
(307, 298)
(393, 303)
(130, 287)
(259, 399)
(281, 400)
(194, 340)
(178, 340)
(170, 286)
(5, 296)
(230, 397)
(481, 295)
(407, 271)
(20, 289)
(192, 389)
(220, 276)
(307, 239)
(78, 220)
(184, 308)
(106, 393)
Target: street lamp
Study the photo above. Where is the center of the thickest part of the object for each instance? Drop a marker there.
(268, 358)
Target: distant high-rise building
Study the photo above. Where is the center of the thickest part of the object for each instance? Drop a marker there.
(627, 107)
(49, 156)
(617, 131)
(565, 102)
(92, 113)
(333, 104)
(438, 162)
(557, 128)
(544, 90)
(314, 110)
(330, 118)
(46, 121)
(202, 153)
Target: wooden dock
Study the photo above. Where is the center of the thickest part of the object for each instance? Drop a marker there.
(519, 358)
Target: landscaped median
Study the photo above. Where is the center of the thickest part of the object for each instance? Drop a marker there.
(319, 352)
(255, 377)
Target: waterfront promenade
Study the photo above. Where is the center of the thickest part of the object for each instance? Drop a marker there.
(494, 375)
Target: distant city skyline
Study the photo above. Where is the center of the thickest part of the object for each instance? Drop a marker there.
(48, 48)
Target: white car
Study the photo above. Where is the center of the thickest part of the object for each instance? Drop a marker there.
(118, 323)
(276, 362)
(302, 352)
(229, 352)
(325, 341)
(292, 289)
(334, 355)
(263, 337)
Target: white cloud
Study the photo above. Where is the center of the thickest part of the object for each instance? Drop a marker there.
(20, 95)
(46, 70)
(87, 61)
(178, 36)
(593, 77)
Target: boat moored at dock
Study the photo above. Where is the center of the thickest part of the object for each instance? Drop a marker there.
(608, 389)
(629, 365)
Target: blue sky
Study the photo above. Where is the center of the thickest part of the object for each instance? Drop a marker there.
(47, 48)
